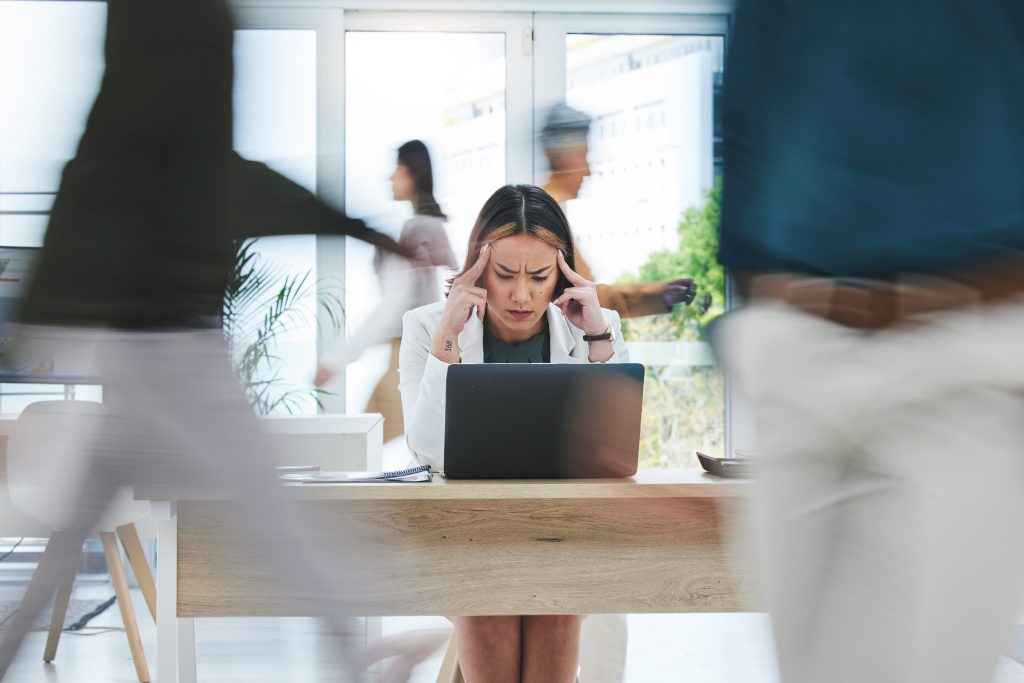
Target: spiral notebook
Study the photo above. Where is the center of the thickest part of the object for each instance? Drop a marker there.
(316, 476)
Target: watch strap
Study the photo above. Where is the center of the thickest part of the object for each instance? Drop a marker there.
(604, 336)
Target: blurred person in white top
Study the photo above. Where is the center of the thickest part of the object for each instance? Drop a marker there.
(402, 288)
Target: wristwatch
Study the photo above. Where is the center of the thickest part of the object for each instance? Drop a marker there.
(607, 335)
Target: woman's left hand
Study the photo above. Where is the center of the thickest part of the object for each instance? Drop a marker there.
(579, 301)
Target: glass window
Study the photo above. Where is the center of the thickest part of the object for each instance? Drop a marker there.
(647, 173)
(51, 63)
(446, 89)
(275, 123)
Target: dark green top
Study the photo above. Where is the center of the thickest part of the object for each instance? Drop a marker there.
(536, 349)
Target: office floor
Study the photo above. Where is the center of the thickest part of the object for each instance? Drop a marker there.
(695, 648)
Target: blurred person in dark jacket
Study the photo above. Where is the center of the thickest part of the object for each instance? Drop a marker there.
(873, 220)
(131, 281)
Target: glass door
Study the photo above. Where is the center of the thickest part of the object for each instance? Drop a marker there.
(285, 90)
(461, 85)
(648, 210)
(51, 63)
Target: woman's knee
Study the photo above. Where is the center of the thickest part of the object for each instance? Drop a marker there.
(566, 624)
(487, 627)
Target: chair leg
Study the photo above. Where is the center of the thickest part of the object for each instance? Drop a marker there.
(140, 567)
(124, 602)
(450, 671)
(46, 581)
(60, 611)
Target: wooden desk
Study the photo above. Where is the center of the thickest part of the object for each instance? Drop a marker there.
(654, 543)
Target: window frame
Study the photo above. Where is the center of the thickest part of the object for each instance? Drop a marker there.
(517, 27)
(551, 29)
(329, 26)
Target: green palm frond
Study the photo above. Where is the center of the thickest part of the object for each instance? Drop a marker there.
(261, 304)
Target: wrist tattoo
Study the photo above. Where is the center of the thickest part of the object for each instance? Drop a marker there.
(448, 345)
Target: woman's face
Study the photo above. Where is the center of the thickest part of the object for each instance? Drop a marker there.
(520, 279)
(402, 186)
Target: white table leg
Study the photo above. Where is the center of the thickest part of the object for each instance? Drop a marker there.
(168, 650)
(186, 650)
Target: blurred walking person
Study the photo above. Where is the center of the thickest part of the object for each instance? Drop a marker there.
(874, 220)
(402, 288)
(564, 139)
(131, 281)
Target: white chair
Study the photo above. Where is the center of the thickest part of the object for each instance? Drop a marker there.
(13, 522)
(604, 641)
(46, 457)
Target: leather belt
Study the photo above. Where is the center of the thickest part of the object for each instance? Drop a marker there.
(871, 304)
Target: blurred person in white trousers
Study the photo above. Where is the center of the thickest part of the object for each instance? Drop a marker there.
(873, 219)
(131, 280)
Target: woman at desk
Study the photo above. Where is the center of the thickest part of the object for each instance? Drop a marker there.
(517, 300)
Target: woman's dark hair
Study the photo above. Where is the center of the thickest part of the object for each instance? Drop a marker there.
(522, 210)
(415, 157)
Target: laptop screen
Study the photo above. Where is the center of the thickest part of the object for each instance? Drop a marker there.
(542, 421)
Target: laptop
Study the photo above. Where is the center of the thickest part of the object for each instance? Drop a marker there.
(542, 421)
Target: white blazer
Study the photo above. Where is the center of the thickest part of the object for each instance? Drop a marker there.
(423, 377)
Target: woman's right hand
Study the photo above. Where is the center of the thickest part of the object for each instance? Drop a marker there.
(462, 299)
